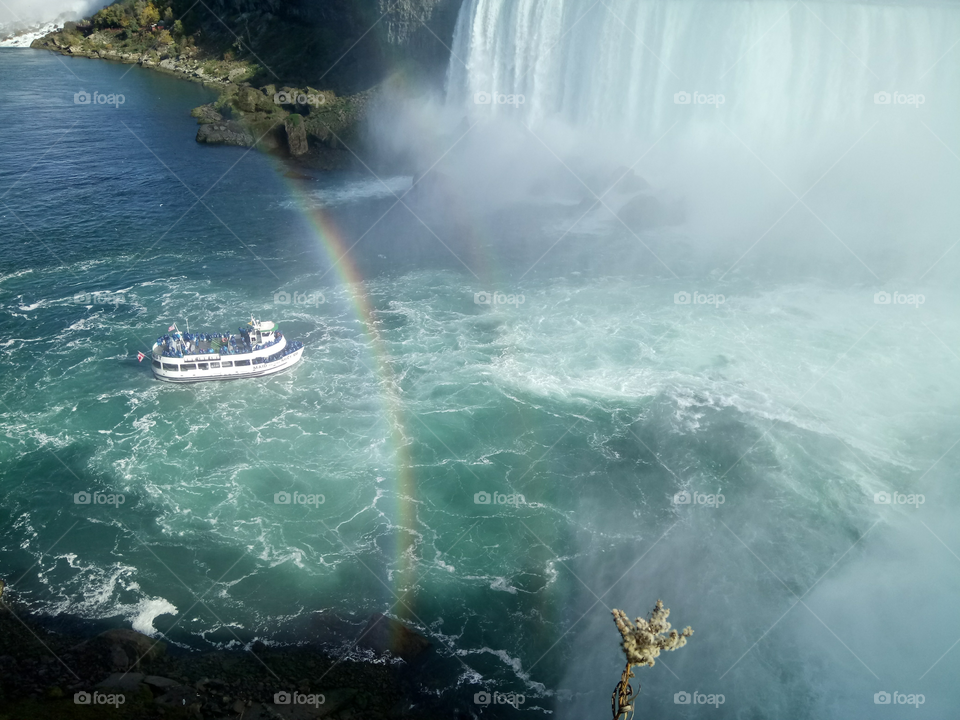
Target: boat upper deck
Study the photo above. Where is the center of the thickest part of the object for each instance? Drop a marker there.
(245, 342)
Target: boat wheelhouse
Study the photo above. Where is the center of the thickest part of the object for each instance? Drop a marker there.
(257, 350)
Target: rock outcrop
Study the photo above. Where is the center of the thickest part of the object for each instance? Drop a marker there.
(296, 131)
(314, 126)
(225, 132)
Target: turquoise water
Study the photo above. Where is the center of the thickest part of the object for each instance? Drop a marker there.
(597, 399)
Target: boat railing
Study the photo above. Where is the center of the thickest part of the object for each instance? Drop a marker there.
(229, 345)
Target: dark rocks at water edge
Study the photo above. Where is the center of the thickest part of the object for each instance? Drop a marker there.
(314, 126)
(45, 674)
(224, 132)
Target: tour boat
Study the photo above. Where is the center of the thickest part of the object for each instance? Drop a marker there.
(257, 350)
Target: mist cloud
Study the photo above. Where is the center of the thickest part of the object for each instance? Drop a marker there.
(32, 12)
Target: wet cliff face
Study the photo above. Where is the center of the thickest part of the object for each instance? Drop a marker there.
(361, 39)
(422, 28)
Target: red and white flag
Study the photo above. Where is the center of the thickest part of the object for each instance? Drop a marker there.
(140, 357)
(171, 328)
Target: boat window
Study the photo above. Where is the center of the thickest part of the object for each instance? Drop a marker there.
(188, 367)
(241, 362)
(214, 365)
(202, 366)
(227, 364)
(156, 363)
(170, 366)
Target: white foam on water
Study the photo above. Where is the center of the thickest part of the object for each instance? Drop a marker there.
(148, 610)
(354, 191)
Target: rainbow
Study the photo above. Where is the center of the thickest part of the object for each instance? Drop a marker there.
(337, 251)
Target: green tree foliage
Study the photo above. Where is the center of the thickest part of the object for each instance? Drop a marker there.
(149, 15)
(112, 16)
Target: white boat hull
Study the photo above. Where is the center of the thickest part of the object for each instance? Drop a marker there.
(214, 366)
(191, 376)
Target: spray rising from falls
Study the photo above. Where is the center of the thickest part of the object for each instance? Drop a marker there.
(734, 110)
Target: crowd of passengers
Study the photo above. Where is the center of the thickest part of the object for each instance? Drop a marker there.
(228, 344)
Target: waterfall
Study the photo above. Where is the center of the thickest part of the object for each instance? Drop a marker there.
(636, 67)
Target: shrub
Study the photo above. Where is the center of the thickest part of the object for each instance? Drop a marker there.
(642, 644)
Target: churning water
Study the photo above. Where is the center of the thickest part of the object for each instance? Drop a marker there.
(538, 351)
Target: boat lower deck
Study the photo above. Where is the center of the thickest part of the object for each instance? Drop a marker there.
(225, 369)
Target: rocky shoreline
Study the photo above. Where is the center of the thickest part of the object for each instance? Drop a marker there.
(120, 673)
(318, 128)
(188, 64)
